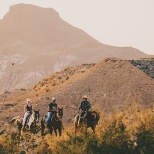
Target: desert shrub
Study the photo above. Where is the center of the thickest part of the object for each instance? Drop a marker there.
(43, 148)
(144, 139)
(122, 132)
(85, 143)
(9, 143)
(23, 89)
(67, 68)
(115, 139)
(145, 135)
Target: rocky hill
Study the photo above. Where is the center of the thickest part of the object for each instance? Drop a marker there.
(110, 84)
(146, 65)
(40, 43)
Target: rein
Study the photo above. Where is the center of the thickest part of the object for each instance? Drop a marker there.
(83, 115)
(57, 118)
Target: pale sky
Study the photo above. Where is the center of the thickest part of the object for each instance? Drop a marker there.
(112, 22)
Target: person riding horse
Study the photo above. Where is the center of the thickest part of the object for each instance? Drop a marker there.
(52, 108)
(84, 108)
(56, 123)
(28, 111)
(86, 117)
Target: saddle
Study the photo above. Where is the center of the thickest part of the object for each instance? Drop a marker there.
(55, 116)
(82, 116)
(27, 119)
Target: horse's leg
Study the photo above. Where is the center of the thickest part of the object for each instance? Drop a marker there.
(75, 128)
(55, 130)
(60, 130)
(75, 125)
(19, 128)
(42, 126)
(51, 130)
(93, 128)
(19, 124)
(42, 130)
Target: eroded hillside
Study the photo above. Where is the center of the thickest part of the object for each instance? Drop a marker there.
(110, 84)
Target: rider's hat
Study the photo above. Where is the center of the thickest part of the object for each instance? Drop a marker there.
(53, 98)
(28, 100)
(85, 96)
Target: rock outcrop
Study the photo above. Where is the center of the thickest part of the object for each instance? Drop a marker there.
(146, 65)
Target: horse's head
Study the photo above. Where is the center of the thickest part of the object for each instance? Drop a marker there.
(36, 115)
(60, 113)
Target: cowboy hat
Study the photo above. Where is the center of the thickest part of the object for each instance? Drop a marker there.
(85, 96)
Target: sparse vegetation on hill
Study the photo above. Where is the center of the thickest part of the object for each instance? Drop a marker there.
(61, 76)
(108, 83)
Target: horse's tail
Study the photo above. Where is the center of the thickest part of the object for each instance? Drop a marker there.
(62, 127)
(14, 119)
(76, 119)
(97, 116)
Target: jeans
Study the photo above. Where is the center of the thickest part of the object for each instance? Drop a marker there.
(48, 121)
(25, 117)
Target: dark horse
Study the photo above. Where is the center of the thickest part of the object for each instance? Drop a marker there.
(86, 119)
(31, 121)
(56, 123)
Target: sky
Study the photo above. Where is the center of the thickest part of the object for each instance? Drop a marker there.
(114, 22)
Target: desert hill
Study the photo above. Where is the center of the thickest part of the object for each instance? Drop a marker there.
(110, 84)
(40, 43)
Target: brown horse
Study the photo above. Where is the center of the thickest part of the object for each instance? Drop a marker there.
(56, 123)
(86, 119)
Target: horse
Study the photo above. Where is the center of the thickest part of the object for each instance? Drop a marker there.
(31, 123)
(86, 119)
(56, 123)
(33, 119)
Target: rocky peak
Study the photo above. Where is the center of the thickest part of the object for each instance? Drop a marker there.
(28, 12)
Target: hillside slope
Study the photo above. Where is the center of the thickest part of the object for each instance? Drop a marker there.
(110, 84)
(40, 43)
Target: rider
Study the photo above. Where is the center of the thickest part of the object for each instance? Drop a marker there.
(51, 110)
(27, 110)
(84, 107)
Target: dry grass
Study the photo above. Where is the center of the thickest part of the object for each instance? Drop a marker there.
(130, 130)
